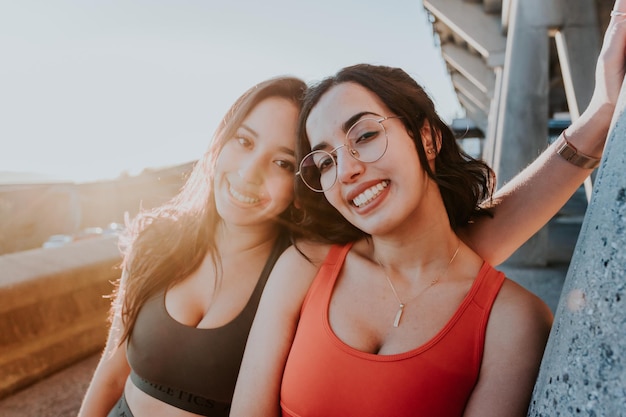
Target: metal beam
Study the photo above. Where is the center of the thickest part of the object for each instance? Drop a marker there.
(473, 112)
(481, 31)
(463, 85)
(522, 130)
(471, 66)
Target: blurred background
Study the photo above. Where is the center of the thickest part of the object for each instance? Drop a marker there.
(95, 89)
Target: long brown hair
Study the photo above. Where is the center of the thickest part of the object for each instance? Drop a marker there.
(464, 182)
(164, 245)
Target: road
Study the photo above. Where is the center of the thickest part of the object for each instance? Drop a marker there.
(59, 395)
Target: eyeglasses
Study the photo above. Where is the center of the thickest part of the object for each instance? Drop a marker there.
(366, 141)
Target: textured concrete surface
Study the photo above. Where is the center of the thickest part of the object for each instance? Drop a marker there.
(584, 367)
(52, 308)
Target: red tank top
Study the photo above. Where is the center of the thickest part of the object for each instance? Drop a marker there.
(325, 377)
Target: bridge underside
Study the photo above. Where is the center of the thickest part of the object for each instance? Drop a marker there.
(522, 70)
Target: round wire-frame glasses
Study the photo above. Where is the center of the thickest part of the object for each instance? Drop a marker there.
(366, 141)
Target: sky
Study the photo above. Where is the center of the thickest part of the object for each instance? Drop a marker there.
(93, 88)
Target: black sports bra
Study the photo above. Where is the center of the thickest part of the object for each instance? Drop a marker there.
(190, 368)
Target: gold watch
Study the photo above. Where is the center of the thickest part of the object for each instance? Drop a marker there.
(573, 155)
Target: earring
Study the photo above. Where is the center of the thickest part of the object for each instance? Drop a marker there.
(430, 151)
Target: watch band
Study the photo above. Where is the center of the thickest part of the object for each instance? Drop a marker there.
(573, 155)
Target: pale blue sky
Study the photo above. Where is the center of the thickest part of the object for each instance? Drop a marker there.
(90, 88)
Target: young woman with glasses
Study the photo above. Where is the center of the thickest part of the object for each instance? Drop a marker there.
(399, 316)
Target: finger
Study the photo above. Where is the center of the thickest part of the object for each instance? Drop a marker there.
(619, 6)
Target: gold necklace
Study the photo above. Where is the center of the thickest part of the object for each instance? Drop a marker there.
(401, 305)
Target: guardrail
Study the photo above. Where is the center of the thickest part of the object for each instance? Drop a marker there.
(53, 308)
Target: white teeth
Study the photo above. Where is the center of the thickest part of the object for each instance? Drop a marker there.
(369, 194)
(242, 198)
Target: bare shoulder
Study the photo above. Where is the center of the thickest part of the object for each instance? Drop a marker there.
(518, 300)
(296, 268)
(518, 313)
(517, 332)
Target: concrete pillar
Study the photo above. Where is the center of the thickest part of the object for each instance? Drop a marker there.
(583, 372)
(578, 47)
(522, 128)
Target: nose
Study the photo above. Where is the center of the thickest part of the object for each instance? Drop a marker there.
(348, 167)
(250, 171)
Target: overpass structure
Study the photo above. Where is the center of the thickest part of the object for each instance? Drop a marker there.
(504, 54)
(515, 65)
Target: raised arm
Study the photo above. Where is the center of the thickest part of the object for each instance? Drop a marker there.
(108, 381)
(258, 387)
(528, 201)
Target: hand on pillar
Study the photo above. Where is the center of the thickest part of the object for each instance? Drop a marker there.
(610, 67)
(529, 191)
(589, 132)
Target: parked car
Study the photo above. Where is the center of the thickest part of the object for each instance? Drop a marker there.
(56, 241)
(88, 233)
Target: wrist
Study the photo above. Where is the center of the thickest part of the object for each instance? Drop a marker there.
(597, 116)
(588, 133)
(571, 154)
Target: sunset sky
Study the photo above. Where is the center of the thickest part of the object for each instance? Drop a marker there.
(89, 89)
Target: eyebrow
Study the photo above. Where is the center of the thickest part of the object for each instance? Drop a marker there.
(345, 127)
(287, 150)
(283, 149)
(249, 129)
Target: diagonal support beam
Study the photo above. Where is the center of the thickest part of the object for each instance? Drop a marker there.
(481, 31)
(470, 66)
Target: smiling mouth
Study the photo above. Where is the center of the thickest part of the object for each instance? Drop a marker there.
(370, 194)
(242, 197)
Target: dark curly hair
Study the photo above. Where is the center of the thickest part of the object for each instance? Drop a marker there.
(464, 182)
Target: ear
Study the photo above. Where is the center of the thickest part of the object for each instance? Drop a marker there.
(427, 141)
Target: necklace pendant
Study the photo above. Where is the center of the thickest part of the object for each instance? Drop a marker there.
(396, 321)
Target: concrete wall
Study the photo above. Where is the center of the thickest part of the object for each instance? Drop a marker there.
(583, 372)
(52, 308)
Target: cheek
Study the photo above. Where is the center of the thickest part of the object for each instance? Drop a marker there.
(281, 190)
(220, 163)
(227, 161)
(333, 197)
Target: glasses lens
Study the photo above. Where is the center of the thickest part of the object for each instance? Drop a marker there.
(368, 140)
(318, 170)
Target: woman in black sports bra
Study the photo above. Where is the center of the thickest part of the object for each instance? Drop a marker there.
(194, 269)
